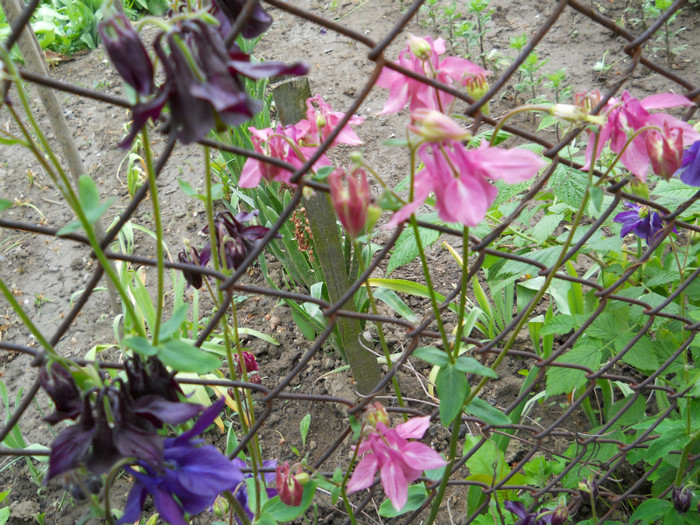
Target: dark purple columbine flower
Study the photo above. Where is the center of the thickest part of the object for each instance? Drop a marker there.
(690, 165)
(682, 498)
(227, 11)
(234, 239)
(63, 391)
(127, 53)
(541, 517)
(640, 221)
(192, 256)
(203, 88)
(188, 479)
(121, 421)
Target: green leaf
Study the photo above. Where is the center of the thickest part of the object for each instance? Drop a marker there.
(4, 204)
(304, 428)
(140, 345)
(416, 496)
(170, 328)
(89, 198)
(651, 510)
(486, 412)
(562, 380)
(432, 355)
(323, 173)
(184, 357)
(452, 388)
(395, 142)
(469, 365)
(560, 324)
(406, 248)
(596, 197)
(395, 303)
(673, 438)
(278, 511)
(409, 287)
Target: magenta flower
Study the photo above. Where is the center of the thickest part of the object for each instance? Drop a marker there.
(399, 461)
(629, 115)
(434, 126)
(460, 179)
(665, 150)
(290, 486)
(251, 366)
(323, 121)
(294, 144)
(422, 56)
(350, 196)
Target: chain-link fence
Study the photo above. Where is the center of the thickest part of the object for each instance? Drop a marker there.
(620, 298)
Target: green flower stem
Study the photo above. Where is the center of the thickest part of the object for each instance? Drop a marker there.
(68, 193)
(159, 233)
(237, 507)
(617, 158)
(27, 321)
(380, 328)
(548, 280)
(511, 113)
(343, 483)
(448, 471)
(244, 413)
(111, 477)
(424, 261)
(462, 292)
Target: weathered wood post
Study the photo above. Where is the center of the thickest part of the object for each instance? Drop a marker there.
(290, 97)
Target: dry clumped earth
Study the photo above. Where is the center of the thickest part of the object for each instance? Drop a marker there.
(46, 273)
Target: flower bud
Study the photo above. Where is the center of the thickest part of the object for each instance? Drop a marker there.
(350, 195)
(560, 515)
(575, 114)
(289, 486)
(588, 489)
(477, 86)
(376, 413)
(127, 53)
(681, 498)
(587, 100)
(434, 126)
(665, 150)
(63, 391)
(420, 47)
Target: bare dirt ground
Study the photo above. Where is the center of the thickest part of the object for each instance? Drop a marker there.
(46, 273)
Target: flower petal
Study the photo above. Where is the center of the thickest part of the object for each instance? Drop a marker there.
(363, 476)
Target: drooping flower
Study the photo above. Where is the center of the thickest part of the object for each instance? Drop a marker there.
(234, 239)
(203, 87)
(192, 256)
(121, 421)
(422, 56)
(690, 166)
(251, 366)
(681, 497)
(59, 384)
(187, 480)
(665, 150)
(629, 115)
(350, 196)
(127, 53)
(641, 221)
(256, 25)
(460, 179)
(399, 461)
(289, 484)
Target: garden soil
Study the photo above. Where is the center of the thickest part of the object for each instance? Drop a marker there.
(46, 274)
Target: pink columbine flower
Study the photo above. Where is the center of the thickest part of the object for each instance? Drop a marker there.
(350, 196)
(290, 483)
(399, 461)
(460, 179)
(422, 56)
(628, 115)
(434, 126)
(665, 150)
(323, 121)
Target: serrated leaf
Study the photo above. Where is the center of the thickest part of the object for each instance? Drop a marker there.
(560, 324)
(486, 412)
(416, 496)
(651, 510)
(569, 185)
(452, 387)
(562, 380)
(545, 226)
(184, 357)
(432, 355)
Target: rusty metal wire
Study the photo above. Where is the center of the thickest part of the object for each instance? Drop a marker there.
(533, 437)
